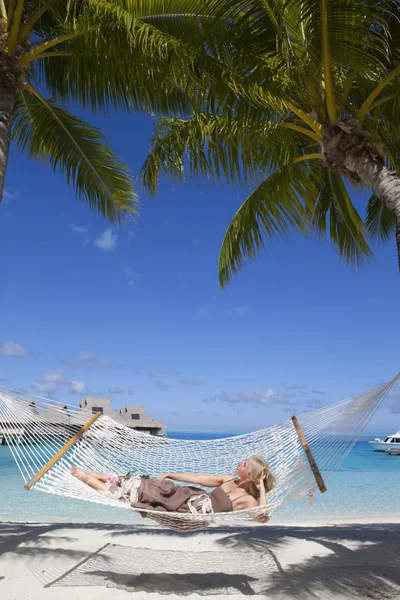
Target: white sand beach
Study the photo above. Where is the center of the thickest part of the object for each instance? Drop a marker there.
(319, 561)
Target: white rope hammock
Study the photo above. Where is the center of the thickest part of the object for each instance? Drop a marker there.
(47, 438)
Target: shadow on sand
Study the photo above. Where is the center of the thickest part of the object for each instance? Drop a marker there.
(345, 561)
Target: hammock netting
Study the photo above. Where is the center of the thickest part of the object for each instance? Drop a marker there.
(36, 429)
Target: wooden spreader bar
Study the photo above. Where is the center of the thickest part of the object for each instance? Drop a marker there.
(61, 452)
(311, 460)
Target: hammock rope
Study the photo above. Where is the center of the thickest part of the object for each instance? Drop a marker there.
(36, 429)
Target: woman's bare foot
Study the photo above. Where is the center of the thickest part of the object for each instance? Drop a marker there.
(79, 473)
(87, 478)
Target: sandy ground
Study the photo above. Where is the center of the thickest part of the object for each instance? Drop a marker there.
(97, 561)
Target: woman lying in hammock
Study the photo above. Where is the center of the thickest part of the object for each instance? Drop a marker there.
(248, 490)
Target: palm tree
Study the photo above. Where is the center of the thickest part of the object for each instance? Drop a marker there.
(98, 55)
(308, 105)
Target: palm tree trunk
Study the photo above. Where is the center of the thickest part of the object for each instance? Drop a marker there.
(7, 102)
(383, 182)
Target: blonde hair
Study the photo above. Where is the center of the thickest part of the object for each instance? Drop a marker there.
(259, 468)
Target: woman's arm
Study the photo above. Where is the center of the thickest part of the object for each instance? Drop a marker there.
(206, 480)
(263, 516)
(263, 496)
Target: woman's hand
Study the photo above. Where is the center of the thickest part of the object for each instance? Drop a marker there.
(262, 517)
(163, 477)
(260, 484)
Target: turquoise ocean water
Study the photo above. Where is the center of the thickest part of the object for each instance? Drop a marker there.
(366, 486)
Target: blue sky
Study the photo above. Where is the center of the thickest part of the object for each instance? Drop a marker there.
(136, 313)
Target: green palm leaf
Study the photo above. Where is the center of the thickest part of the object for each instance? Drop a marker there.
(247, 87)
(136, 55)
(357, 33)
(380, 222)
(100, 74)
(335, 214)
(283, 201)
(217, 146)
(48, 132)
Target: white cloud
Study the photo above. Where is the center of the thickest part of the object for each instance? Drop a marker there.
(308, 398)
(163, 387)
(45, 387)
(238, 311)
(192, 382)
(50, 382)
(132, 276)
(11, 348)
(106, 241)
(87, 359)
(296, 386)
(80, 228)
(83, 231)
(131, 235)
(115, 390)
(9, 195)
(104, 362)
(241, 310)
(77, 387)
(53, 376)
(153, 370)
(266, 398)
(53, 381)
(204, 312)
(313, 403)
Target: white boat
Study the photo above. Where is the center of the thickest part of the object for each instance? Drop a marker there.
(393, 451)
(392, 442)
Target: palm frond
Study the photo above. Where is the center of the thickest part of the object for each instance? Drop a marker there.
(282, 202)
(177, 60)
(45, 131)
(258, 25)
(102, 75)
(193, 22)
(336, 215)
(120, 62)
(385, 127)
(57, 16)
(358, 34)
(380, 222)
(218, 147)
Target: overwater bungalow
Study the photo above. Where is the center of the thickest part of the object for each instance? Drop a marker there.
(63, 423)
(133, 417)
